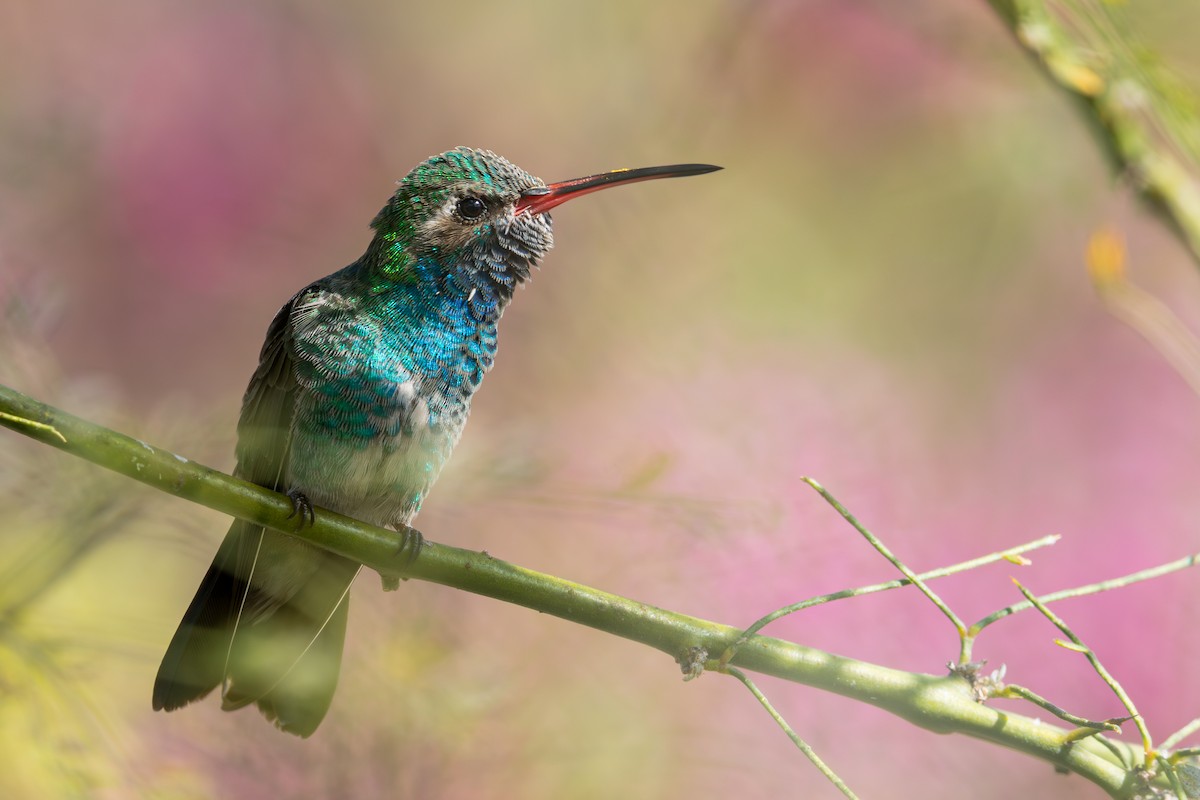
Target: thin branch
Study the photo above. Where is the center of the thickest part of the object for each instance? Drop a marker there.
(802, 745)
(1013, 555)
(873, 540)
(1176, 785)
(1092, 588)
(1078, 646)
(1178, 736)
(939, 704)
(1095, 726)
(1185, 752)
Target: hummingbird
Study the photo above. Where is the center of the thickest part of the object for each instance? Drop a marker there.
(362, 390)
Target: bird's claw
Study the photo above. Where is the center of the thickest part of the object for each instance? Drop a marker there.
(301, 507)
(412, 540)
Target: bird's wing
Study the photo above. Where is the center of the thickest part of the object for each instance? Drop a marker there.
(286, 646)
(264, 428)
(277, 645)
(197, 659)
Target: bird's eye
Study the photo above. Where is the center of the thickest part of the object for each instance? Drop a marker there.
(470, 208)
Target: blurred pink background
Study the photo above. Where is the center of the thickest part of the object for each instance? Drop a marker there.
(883, 290)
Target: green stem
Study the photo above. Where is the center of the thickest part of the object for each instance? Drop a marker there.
(801, 745)
(939, 704)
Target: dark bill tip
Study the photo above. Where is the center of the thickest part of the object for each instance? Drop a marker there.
(540, 199)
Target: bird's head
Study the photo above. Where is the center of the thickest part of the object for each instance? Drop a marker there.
(480, 223)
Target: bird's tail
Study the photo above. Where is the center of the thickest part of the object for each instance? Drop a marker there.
(267, 625)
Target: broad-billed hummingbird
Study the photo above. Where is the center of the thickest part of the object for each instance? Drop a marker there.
(362, 390)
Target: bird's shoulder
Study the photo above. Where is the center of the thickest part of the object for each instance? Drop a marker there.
(269, 402)
(268, 405)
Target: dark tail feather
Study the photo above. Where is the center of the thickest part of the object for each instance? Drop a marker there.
(285, 654)
(195, 661)
(288, 661)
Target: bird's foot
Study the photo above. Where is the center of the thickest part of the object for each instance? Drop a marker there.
(411, 540)
(301, 507)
